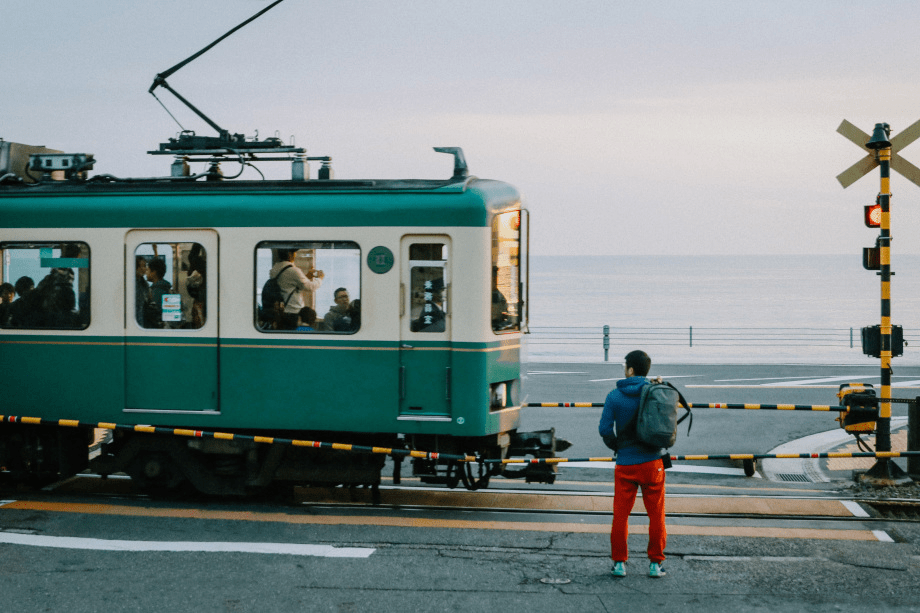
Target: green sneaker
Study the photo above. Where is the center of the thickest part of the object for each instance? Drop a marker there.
(655, 571)
(619, 569)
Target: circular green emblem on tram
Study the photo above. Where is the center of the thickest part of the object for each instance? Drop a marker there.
(380, 260)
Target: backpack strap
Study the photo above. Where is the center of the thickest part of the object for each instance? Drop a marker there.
(686, 406)
(278, 278)
(280, 272)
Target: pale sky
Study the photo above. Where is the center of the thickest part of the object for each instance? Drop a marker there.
(630, 127)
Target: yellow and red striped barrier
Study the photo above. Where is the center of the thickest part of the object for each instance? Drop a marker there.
(269, 440)
(726, 456)
(711, 405)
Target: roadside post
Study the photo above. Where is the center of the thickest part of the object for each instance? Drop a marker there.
(913, 437)
(882, 152)
(606, 343)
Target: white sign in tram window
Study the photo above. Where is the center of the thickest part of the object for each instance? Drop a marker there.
(172, 307)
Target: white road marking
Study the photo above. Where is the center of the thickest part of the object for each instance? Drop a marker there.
(824, 380)
(67, 542)
(882, 536)
(764, 379)
(552, 372)
(650, 376)
(854, 508)
(754, 558)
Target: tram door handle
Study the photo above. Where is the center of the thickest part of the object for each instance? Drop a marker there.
(402, 299)
(402, 382)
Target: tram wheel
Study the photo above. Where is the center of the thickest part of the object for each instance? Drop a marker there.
(157, 475)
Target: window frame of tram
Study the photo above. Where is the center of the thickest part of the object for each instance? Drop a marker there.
(429, 305)
(338, 266)
(60, 298)
(506, 287)
(177, 300)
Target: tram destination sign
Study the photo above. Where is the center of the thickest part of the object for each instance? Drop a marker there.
(855, 172)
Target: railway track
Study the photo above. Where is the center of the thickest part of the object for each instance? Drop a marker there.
(584, 501)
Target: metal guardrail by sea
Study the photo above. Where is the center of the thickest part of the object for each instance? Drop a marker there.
(605, 336)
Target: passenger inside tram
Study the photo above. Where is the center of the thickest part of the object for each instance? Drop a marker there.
(60, 301)
(294, 276)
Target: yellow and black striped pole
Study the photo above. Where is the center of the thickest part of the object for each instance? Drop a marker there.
(884, 469)
(883, 436)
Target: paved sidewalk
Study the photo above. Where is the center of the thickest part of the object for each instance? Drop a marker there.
(829, 470)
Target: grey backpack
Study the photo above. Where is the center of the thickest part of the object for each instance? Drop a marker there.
(656, 421)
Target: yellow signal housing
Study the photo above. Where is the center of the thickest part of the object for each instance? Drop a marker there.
(861, 407)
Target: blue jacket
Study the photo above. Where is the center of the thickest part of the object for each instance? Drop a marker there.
(620, 408)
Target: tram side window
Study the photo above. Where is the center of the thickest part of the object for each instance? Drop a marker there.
(427, 262)
(506, 272)
(46, 286)
(170, 286)
(309, 287)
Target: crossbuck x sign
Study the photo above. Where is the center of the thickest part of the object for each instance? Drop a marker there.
(863, 166)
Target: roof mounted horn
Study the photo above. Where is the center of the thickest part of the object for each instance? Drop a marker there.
(460, 169)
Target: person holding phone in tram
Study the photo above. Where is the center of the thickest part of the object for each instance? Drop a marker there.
(292, 281)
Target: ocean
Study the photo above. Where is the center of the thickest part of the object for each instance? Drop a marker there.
(742, 309)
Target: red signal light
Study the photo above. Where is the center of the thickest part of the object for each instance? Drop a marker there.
(873, 215)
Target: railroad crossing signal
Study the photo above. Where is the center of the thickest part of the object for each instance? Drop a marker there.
(855, 172)
(882, 151)
(873, 215)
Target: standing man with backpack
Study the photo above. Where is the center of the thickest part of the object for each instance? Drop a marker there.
(637, 465)
(291, 282)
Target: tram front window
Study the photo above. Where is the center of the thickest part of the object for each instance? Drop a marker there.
(506, 272)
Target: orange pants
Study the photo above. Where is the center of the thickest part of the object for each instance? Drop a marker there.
(627, 479)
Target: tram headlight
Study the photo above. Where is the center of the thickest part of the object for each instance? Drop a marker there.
(498, 396)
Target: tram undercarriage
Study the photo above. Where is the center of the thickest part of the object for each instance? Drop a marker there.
(163, 464)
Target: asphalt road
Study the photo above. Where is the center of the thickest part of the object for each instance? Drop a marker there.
(115, 552)
(125, 554)
(714, 431)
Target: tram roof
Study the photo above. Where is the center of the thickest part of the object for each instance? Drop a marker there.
(164, 203)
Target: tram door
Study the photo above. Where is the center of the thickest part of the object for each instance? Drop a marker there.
(171, 324)
(424, 355)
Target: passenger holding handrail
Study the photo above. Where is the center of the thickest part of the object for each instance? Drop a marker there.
(292, 281)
